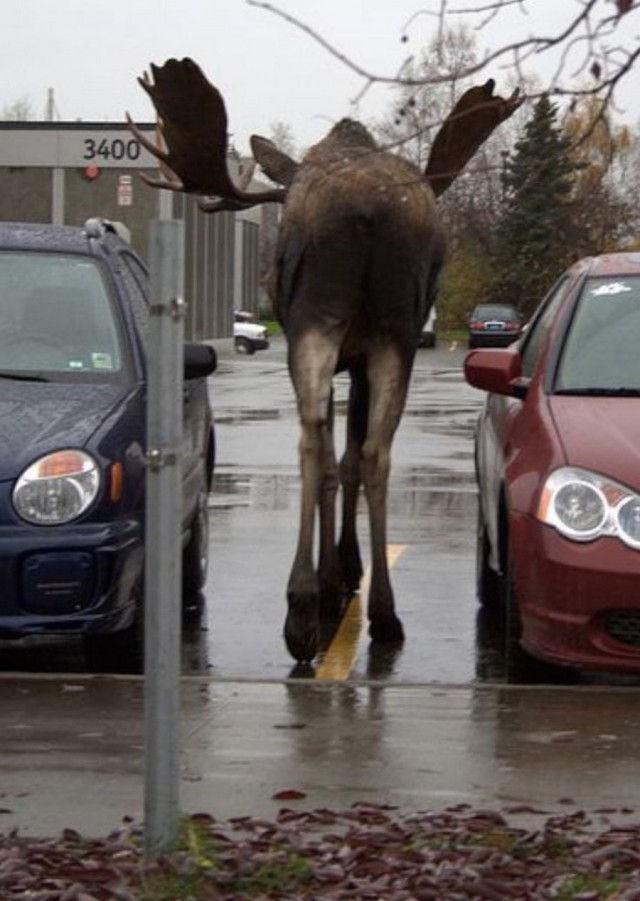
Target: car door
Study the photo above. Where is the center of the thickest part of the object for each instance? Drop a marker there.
(195, 406)
(504, 415)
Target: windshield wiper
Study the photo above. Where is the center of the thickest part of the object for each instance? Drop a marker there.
(600, 392)
(23, 377)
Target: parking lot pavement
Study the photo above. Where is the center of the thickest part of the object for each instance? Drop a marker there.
(72, 749)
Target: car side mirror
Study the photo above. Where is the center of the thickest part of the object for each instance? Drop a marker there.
(200, 360)
(498, 370)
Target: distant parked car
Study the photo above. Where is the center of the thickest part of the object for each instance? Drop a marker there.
(249, 335)
(557, 455)
(74, 316)
(494, 325)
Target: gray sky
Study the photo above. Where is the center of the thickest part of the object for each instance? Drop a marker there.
(267, 70)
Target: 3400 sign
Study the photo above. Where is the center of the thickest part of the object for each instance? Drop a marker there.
(111, 149)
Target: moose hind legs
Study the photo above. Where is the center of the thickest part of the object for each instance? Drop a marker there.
(312, 361)
(388, 377)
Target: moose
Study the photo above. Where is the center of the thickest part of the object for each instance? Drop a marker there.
(359, 251)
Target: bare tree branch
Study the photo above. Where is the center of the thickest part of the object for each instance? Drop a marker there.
(589, 30)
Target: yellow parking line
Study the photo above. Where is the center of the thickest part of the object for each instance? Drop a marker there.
(340, 656)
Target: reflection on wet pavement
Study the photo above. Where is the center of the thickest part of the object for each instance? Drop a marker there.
(254, 509)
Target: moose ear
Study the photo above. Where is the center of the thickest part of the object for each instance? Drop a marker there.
(465, 129)
(279, 167)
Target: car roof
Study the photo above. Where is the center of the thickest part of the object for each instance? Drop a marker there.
(57, 238)
(610, 263)
(506, 307)
(500, 306)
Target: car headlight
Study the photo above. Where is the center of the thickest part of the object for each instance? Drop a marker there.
(584, 505)
(627, 516)
(57, 488)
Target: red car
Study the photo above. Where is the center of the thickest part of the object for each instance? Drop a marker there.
(557, 457)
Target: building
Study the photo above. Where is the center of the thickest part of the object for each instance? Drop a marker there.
(66, 172)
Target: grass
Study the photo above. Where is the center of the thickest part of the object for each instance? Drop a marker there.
(183, 876)
(583, 885)
(199, 852)
(460, 335)
(288, 873)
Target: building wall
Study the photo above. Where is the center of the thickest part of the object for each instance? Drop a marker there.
(25, 194)
(69, 172)
(84, 197)
(209, 269)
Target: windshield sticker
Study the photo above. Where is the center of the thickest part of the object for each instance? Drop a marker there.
(101, 361)
(612, 288)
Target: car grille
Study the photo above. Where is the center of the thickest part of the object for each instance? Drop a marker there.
(624, 626)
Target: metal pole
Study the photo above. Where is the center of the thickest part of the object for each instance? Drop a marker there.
(163, 553)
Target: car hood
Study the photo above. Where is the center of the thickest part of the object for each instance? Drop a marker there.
(36, 418)
(601, 434)
(249, 329)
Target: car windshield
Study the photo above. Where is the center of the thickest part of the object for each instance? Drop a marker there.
(600, 353)
(55, 316)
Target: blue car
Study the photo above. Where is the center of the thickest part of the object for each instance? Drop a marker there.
(74, 316)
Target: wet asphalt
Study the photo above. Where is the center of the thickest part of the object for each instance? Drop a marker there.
(432, 519)
(430, 726)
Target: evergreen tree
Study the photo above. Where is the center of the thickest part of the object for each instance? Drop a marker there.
(531, 247)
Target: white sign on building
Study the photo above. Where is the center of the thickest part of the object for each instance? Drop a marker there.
(70, 146)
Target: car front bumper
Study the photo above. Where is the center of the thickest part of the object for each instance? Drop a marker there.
(580, 602)
(77, 579)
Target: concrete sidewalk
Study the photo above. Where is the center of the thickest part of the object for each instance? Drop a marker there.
(72, 748)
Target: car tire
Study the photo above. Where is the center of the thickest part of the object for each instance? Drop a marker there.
(515, 661)
(487, 579)
(118, 652)
(489, 649)
(195, 556)
(244, 346)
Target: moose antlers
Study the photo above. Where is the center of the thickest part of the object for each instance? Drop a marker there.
(193, 126)
(465, 129)
(192, 121)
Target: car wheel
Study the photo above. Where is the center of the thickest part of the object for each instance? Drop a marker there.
(244, 346)
(118, 652)
(487, 579)
(195, 556)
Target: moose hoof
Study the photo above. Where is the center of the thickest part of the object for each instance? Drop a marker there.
(387, 630)
(301, 634)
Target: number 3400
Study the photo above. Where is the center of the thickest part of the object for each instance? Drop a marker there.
(116, 149)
